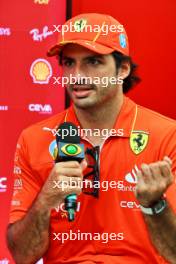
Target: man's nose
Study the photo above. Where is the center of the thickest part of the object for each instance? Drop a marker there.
(78, 73)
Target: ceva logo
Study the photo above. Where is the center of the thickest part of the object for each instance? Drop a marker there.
(130, 204)
(3, 186)
(43, 109)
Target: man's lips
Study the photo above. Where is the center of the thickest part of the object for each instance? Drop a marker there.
(81, 91)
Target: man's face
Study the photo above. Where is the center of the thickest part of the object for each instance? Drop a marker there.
(80, 62)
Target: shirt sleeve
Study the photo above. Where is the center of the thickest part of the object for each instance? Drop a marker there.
(26, 185)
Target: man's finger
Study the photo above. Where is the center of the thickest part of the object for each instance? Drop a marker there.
(146, 173)
(167, 159)
(166, 171)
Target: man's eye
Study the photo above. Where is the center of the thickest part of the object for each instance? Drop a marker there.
(94, 61)
(68, 63)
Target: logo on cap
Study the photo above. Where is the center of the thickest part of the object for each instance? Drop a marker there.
(80, 24)
(122, 40)
(41, 71)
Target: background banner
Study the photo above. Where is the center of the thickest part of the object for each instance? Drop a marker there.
(27, 90)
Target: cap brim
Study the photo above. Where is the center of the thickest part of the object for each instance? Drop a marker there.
(94, 46)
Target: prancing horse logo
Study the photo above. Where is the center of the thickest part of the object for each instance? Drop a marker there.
(138, 141)
(80, 24)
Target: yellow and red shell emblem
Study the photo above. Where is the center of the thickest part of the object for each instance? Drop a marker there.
(41, 71)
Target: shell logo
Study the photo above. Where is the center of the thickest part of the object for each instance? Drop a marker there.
(41, 71)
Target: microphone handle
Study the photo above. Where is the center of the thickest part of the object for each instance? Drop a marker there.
(71, 205)
(71, 199)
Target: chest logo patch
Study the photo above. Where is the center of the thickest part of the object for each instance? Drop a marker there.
(138, 141)
(53, 149)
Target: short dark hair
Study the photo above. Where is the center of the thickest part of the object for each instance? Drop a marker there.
(132, 79)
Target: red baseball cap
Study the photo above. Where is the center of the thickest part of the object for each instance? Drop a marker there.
(97, 32)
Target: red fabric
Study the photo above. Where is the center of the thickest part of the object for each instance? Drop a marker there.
(22, 101)
(116, 210)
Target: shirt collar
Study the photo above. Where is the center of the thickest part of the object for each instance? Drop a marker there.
(127, 117)
(125, 120)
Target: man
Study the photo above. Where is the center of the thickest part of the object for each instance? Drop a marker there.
(132, 220)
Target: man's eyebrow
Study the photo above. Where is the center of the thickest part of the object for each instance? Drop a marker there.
(67, 58)
(99, 56)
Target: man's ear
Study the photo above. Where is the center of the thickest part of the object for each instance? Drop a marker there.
(124, 70)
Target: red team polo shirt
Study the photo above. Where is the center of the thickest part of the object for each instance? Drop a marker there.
(115, 215)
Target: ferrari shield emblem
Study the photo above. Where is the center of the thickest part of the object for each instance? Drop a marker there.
(80, 24)
(138, 141)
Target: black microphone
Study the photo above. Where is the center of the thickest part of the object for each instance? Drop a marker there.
(69, 148)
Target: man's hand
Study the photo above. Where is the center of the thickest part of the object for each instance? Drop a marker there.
(28, 238)
(153, 181)
(58, 184)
